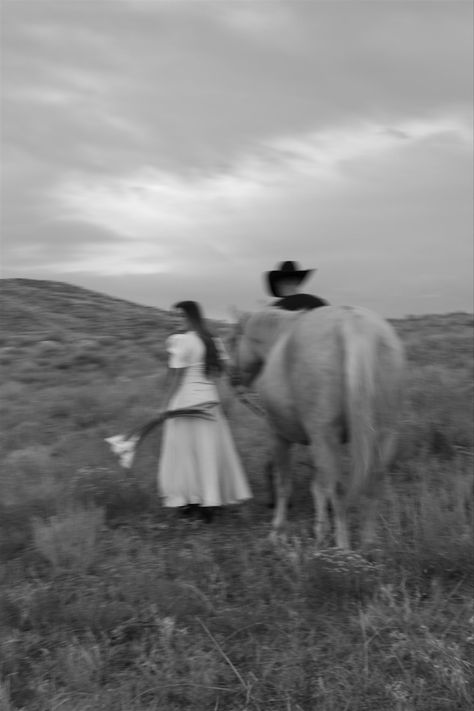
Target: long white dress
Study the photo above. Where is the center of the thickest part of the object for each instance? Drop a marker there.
(198, 462)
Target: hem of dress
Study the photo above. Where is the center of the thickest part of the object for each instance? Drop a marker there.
(187, 502)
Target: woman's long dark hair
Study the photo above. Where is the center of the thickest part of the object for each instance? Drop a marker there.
(212, 364)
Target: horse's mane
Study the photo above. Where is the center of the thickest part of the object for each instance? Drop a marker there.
(270, 319)
(266, 325)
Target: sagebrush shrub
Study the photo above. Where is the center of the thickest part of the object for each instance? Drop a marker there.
(80, 665)
(5, 703)
(32, 460)
(68, 540)
(28, 474)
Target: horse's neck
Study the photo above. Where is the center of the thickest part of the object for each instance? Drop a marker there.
(269, 326)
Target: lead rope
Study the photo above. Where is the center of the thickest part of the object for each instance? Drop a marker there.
(244, 399)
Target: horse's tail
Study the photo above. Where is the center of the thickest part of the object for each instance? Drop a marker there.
(360, 366)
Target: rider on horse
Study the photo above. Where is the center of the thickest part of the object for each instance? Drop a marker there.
(284, 281)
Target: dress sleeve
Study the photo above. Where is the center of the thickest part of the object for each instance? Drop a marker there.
(178, 351)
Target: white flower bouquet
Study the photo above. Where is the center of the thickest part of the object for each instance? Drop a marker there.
(125, 446)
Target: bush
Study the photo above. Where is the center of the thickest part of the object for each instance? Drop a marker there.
(29, 474)
(80, 665)
(118, 493)
(7, 355)
(47, 348)
(438, 414)
(68, 540)
(5, 703)
(12, 390)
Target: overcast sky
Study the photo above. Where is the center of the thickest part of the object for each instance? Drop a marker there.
(161, 150)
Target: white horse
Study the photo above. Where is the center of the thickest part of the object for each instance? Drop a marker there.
(326, 378)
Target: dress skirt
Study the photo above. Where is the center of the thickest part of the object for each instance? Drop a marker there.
(199, 463)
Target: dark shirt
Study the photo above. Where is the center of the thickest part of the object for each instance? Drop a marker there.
(298, 302)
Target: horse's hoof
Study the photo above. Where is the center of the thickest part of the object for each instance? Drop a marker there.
(277, 536)
(324, 541)
(373, 553)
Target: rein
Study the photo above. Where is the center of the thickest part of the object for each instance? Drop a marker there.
(243, 397)
(256, 409)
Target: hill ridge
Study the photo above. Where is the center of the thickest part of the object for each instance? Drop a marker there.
(48, 309)
(73, 288)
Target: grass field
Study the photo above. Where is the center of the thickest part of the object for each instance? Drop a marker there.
(110, 603)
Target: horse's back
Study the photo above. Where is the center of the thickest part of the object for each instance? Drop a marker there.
(331, 318)
(310, 367)
(326, 332)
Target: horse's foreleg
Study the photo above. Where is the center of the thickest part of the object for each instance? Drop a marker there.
(282, 476)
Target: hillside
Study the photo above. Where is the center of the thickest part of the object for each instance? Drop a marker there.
(48, 309)
(51, 310)
(54, 333)
(37, 316)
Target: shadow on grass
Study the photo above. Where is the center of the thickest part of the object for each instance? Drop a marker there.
(16, 526)
(121, 495)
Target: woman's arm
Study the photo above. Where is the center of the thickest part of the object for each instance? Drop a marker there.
(224, 391)
(174, 378)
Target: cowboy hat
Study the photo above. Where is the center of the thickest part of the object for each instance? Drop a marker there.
(286, 270)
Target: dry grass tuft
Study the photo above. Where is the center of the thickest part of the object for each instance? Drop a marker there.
(68, 540)
(81, 665)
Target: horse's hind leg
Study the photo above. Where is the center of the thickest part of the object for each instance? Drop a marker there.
(320, 498)
(327, 486)
(282, 477)
(383, 459)
(270, 479)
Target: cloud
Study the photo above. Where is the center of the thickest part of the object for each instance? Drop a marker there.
(278, 28)
(332, 147)
(83, 97)
(172, 217)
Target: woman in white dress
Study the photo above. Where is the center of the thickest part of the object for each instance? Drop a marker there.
(199, 465)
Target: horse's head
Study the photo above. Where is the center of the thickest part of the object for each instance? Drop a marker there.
(246, 360)
(253, 337)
